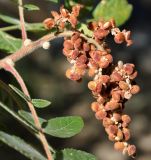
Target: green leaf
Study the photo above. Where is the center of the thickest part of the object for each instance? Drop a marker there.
(9, 43)
(9, 19)
(21, 146)
(20, 93)
(31, 7)
(28, 117)
(31, 27)
(72, 154)
(83, 27)
(120, 10)
(16, 116)
(64, 127)
(55, 1)
(40, 103)
(35, 27)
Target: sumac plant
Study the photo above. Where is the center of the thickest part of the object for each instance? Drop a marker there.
(85, 48)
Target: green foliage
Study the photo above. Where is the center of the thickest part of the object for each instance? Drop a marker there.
(20, 93)
(83, 28)
(64, 127)
(28, 117)
(16, 116)
(21, 146)
(31, 7)
(40, 103)
(55, 1)
(9, 19)
(120, 10)
(31, 27)
(72, 154)
(9, 43)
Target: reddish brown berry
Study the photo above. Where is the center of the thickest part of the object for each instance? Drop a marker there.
(123, 85)
(101, 114)
(92, 85)
(86, 47)
(119, 136)
(101, 33)
(73, 76)
(55, 15)
(129, 68)
(126, 118)
(107, 122)
(49, 23)
(134, 75)
(116, 77)
(119, 146)
(112, 105)
(68, 45)
(76, 10)
(111, 137)
(116, 96)
(131, 149)
(75, 36)
(117, 117)
(100, 100)
(112, 129)
(135, 89)
(119, 38)
(126, 133)
(73, 20)
(95, 106)
(78, 43)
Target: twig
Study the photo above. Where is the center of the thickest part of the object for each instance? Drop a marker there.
(22, 20)
(10, 68)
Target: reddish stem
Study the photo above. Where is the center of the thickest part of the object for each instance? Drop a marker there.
(9, 67)
(22, 20)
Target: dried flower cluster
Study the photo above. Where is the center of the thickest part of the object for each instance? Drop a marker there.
(112, 85)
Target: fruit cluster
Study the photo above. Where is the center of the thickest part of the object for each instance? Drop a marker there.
(60, 20)
(112, 84)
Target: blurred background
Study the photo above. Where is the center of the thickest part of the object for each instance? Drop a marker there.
(43, 72)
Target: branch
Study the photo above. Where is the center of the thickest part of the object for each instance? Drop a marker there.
(26, 50)
(22, 20)
(10, 68)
